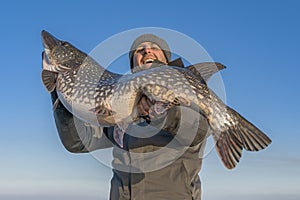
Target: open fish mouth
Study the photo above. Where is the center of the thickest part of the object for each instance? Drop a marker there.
(47, 64)
(45, 58)
(49, 43)
(58, 54)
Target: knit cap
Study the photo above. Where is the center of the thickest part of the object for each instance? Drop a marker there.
(149, 38)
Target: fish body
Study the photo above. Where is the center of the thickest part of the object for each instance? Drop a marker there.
(103, 98)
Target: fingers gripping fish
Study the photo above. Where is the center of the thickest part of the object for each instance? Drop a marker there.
(102, 98)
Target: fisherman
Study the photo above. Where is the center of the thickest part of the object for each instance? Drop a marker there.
(175, 179)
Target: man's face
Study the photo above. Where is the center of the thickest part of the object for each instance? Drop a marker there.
(145, 54)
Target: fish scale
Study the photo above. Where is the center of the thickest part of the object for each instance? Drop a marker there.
(102, 98)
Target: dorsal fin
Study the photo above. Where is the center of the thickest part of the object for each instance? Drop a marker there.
(206, 69)
(177, 62)
(49, 79)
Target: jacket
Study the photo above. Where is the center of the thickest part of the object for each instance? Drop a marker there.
(174, 178)
(158, 161)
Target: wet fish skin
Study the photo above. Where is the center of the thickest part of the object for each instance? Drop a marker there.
(66, 69)
(104, 98)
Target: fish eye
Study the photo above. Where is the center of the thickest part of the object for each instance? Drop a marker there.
(64, 43)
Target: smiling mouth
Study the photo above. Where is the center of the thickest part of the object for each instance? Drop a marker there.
(147, 61)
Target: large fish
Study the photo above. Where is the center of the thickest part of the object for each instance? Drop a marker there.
(103, 98)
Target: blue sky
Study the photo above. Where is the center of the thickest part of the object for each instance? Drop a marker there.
(258, 41)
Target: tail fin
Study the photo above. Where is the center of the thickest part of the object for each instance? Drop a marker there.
(241, 135)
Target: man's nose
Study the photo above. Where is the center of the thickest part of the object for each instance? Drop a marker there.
(147, 50)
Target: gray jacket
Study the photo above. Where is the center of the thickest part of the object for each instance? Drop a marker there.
(158, 161)
(173, 179)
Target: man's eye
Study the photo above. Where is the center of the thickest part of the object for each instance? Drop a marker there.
(139, 49)
(155, 47)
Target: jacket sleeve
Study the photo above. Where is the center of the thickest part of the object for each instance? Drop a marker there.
(76, 135)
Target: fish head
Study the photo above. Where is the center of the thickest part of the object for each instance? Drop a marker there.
(60, 56)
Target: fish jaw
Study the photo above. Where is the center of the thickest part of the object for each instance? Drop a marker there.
(47, 65)
(61, 55)
(49, 41)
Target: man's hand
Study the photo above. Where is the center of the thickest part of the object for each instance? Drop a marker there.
(144, 107)
(151, 110)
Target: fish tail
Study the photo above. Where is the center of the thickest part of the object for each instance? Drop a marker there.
(237, 136)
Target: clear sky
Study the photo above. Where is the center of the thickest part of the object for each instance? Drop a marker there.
(257, 40)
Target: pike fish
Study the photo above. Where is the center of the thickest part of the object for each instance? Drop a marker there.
(104, 98)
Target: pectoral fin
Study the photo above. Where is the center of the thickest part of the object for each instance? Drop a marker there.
(49, 80)
(118, 136)
(177, 62)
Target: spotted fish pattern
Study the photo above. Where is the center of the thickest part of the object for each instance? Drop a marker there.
(103, 98)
